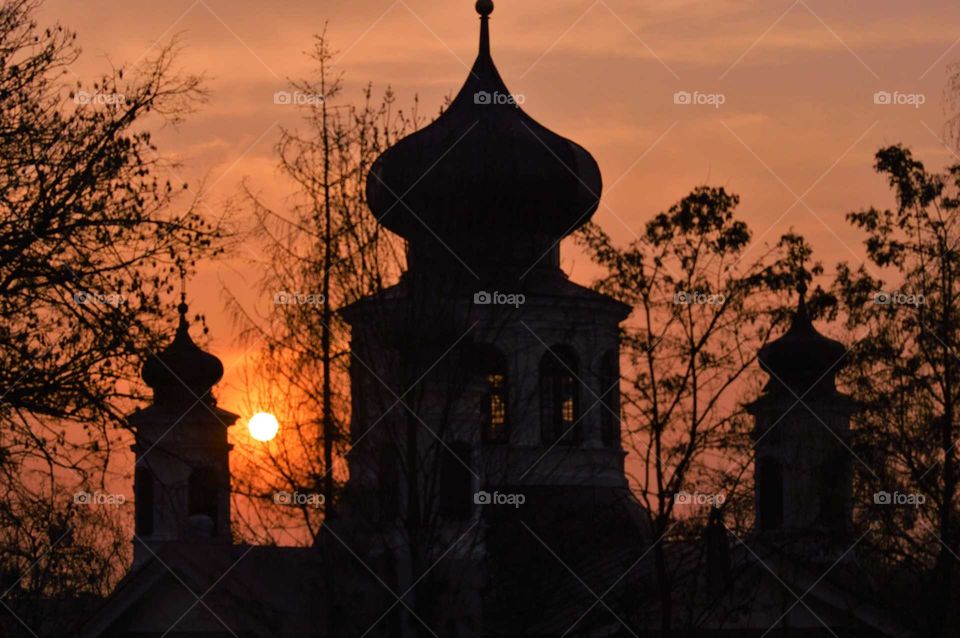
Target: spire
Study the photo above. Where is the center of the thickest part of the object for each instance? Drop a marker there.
(182, 335)
(801, 315)
(183, 325)
(182, 307)
(484, 8)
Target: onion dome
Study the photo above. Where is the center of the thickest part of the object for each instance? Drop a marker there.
(484, 181)
(802, 357)
(182, 372)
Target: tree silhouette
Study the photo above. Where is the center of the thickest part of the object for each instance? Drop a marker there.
(904, 372)
(91, 239)
(702, 311)
(323, 253)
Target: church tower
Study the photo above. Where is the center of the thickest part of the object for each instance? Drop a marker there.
(485, 384)
(182, 470)
(803, 465)
(513, 368)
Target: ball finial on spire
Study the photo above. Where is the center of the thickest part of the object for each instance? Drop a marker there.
(182, 307)
(484, 7)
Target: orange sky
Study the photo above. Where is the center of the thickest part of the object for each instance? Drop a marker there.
(798, 78)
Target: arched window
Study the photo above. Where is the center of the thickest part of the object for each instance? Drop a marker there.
(610, 411)
(495, 405)
(456, 485)
(203, 493)
(832, 498)
(388, 477)
(143, 501)
(490, 364)
(770, 494)
(560, 396)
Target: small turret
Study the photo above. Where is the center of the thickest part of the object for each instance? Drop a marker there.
(182, 471)
(803, 359)
(803, 468)
(182, 372)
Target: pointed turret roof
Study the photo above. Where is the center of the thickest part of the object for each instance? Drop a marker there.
(485, 172)
(182, 372)
(802, 356)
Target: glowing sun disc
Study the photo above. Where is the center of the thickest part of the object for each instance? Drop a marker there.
(263, 426)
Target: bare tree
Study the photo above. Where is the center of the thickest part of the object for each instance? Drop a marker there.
(324, 253)
(91, 239)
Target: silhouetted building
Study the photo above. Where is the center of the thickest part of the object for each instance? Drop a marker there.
(182, 469)
(798, 573)
(487, 494)
(187, 577)
(494, 371)
(804, 466)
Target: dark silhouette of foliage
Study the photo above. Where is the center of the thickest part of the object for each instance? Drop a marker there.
(702, 310)
(92, 240)
(904, 371)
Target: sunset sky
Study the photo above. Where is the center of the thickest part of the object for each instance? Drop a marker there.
(794, 135)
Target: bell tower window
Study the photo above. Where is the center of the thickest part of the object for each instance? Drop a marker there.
(490, 364)
(770, 494)
(495, 419)
(143, 501)
(560, 396)
(203, 493)
(389, 479)
(832, 498)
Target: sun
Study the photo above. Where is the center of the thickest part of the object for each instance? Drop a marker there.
(263, 426)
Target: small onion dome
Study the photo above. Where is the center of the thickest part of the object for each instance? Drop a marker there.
(803, 357)
(484, 172)
(182, 372)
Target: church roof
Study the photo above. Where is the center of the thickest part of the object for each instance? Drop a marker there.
(484, 170)
(558, 553)
(245, 590)
(802, 355)
(182, 369)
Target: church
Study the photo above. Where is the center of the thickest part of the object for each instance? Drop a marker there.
(487, 493)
